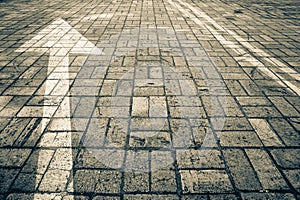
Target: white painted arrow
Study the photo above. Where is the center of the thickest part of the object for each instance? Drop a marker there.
(60, 39)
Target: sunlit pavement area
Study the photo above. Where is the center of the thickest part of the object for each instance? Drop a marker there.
(149, 99)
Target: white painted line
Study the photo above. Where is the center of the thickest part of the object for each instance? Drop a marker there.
(246, 57)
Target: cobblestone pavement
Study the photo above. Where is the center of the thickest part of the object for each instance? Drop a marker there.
(149, 99)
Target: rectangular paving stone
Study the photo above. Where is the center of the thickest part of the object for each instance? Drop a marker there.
(12, 131)
(136, 182)
(150, 139)
(261, 112)
(54, 180)
(293, 177)
(241, 170)
(140, 106)
(284, 106)
(287, 158)
(265, 196)
(265, 133)
(13, 157)
(163, 181)
(205, 181)
(157, 107)
(239, 139)
(286, 132)
(196, 159)
(6, 178)
(151, 196)
(95, 181)
(267, 172)
(231, 124)
(26, 182)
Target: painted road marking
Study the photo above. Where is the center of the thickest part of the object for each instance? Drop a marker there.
(61, 39)
(199, 14)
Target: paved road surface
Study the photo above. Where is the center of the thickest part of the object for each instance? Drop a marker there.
(149, 99)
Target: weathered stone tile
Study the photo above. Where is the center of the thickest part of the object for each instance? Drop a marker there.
(157, 107)
(108, 182)
(136, 182)
(241, 170)
(204, 159)
(195, 197)
(253, 101)
(163, 181)
(27, 182)
(239, 139)
(265, 196)
(54, 180)
(150, 197)
(212, 181)
(6, 178)
(140, 107)
(286, 132)
(12, 131)
(267, 172)
(105, 181)
(265, 133)
(287, 158)
(231, 124)
(293, 177)
(105, 198)
(223, 196)
(261, 111)
(150, 139)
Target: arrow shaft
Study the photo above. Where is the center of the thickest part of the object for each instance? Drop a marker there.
(57, 87)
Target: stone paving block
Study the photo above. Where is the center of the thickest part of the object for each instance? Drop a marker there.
(150, 139)
(161, 159)
(293, 177)
(239, 139)
(150, 197)
(261, 112)
(140, 107)
(13, 157)
(86, 181)
(26, 182)
(231, 124)
(267, 172)
(253, 101)
(286, 132)
(284, 106)
(108, 182)
(195, 197)
(204, 159)
(163, 181)
(287, 158)
(265, 196)
(6, 179)
(54, 180)
(212, 181)
(241, 170)
(105, 198)
(136, 182)
(223, 196)
(149, 124)
(12, 131)
(265, 133)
